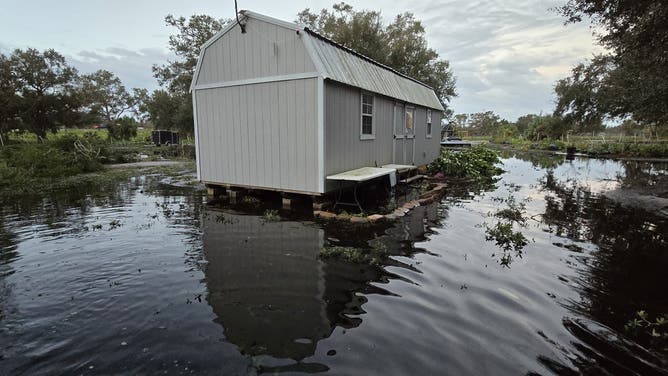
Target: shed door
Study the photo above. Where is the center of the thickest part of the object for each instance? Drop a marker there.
(409, 136)
(399, 130)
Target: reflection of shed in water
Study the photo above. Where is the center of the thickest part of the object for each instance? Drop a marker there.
(266, 284)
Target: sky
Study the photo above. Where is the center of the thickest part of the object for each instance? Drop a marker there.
(506, 55)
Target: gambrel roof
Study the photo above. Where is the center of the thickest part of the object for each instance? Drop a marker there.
(338, 63)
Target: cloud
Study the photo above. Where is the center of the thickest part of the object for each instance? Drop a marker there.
(132, 67)
(506, 56)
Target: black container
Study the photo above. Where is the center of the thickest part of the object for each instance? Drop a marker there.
(165, 138)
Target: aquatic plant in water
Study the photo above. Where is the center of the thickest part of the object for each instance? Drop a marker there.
(641, 323)
(373, 256)
(477, 162)
(503, 232)
(271, 215)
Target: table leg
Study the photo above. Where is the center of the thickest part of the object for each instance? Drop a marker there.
(355, 195)
(338, 195)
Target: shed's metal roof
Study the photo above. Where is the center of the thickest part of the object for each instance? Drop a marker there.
(344, 65)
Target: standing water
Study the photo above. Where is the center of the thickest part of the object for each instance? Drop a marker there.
(143, 279)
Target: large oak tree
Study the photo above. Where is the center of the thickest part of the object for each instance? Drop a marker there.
(630, 79)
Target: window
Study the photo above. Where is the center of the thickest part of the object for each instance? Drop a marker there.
(428, 123)
(410, 120)
(367, 131)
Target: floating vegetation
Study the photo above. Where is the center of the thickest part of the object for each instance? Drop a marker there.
(114, 224)
(641, 323)
(271, 215)
(220, 218)
(370, 256)
(251, 201)
(476, 162)
(503, 233)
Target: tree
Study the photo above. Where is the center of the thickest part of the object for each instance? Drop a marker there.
(106, 96)
(400, 45)
(123, 128)
(191, 34)
(140, 109)
(629, 81)
(9, 100)
(523, 123)
(45, 84)
(171, 108)
(169, 111)
(485, 123)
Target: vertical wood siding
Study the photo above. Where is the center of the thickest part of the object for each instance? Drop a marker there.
(265, 50)
(426, 149)
(343, 148)
(262, 135)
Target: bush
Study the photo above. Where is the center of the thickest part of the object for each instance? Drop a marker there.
(476, 162)
(124, 129)
(69, 155)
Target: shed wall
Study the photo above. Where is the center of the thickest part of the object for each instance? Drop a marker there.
(344, 150)
(262, 135)
(265, 50)
(427, 149)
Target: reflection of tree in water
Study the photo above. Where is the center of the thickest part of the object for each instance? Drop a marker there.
(652, 178)
(272, 293)
(7, 246)
(540, 159)
(625, 274)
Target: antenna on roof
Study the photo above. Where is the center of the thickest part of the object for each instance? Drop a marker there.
(236, 12)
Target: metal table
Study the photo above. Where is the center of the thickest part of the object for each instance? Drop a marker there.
(357, 177)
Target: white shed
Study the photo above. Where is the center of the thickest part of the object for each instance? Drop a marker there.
(281, 107)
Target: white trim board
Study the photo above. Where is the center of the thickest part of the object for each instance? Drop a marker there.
(321, 134)
(258, 80)
(197, 156)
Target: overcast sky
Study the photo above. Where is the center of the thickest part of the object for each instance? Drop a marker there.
(506, 55)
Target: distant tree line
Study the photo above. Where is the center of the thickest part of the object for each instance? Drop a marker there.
(539, 126)
(40, 92)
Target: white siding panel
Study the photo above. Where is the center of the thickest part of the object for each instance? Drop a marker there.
(265, 50)
(262, 135)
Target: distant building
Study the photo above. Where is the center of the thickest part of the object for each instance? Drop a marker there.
(281, 107)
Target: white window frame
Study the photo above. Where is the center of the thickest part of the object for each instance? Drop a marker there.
(429, 123)
(365, 136)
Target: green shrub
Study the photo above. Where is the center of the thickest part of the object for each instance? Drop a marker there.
(475, 162)
(22, 164)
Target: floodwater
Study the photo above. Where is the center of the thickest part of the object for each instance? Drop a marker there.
(141, 278)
